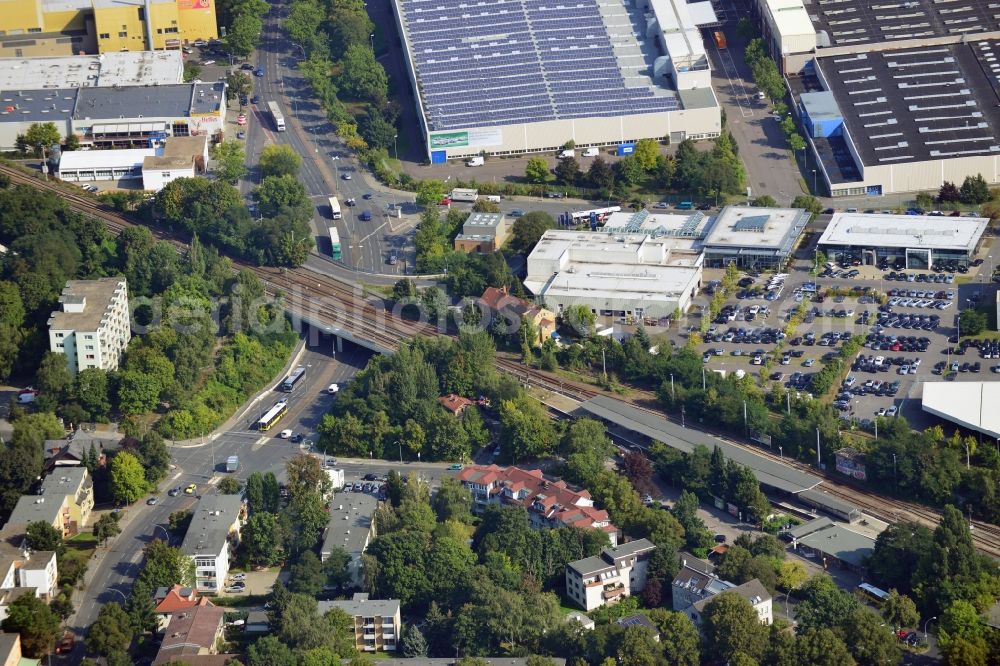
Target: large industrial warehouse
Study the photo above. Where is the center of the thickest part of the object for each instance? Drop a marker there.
(505, 77)
(895, 97)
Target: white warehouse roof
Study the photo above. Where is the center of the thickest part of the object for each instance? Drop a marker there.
(790, 17)
(972, 405)
(904, 231)
(125, 68)
(72, 160)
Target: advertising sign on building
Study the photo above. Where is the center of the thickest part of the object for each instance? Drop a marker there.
(851, 463)
(474, 138)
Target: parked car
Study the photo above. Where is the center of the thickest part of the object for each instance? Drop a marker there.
(286, 433)
(152, 501)
(457, 467)
(191, 487)
(66, 643)
(174, 492)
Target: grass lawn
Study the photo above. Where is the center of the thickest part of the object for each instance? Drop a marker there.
(239, 600)
(79, 548)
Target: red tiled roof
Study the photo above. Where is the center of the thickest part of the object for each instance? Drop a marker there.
(557, 501)
(174, 601)
(454, 403)
(190, 632)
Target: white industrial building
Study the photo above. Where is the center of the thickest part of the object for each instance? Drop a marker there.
(627, 276)
(93, 328)
(116, 117)
(972, 405)
(173, 158)
(754, 237)
(512, 77)
(896, 97)
(125, 68)
(919, 241)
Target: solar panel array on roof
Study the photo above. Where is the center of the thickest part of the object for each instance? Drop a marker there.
(914, 104)
(751, 223)
(483, 64)
(852, 22)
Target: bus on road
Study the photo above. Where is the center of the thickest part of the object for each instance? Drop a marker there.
(291, 380)
(273, 415)
(276, 117)
(335, 252)
(335, 208)
(600, 214)
(873, 593)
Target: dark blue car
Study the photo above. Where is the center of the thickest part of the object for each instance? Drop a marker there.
(259, 71)
(366, 216)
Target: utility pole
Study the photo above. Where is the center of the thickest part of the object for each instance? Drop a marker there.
(819, 458)
(672, 396)
(604, 367)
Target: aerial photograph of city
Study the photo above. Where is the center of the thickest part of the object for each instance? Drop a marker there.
(499, 332)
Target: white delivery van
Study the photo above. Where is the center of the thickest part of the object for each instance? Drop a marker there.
(476, 161)
(591, 152)
(493, 198)
(567, 153)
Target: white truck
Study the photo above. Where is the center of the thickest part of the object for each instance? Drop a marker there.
(476, 161)
(463, 194)
(336, 478)
(232, 463)
(569, 152)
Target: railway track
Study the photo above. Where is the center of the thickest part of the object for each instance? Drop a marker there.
(313, 295)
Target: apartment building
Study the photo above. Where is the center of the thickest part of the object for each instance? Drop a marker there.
(93, 327)
(753, 591)
(508, 310)
(549, 502)
(76, 485)
(10, 649)
(695, 581)
(23, 570)
(350, 528)
(376, 621)
(193, 634)
(214, 533)
(607, 578)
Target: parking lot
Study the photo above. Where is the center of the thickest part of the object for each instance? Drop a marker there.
(908, 320)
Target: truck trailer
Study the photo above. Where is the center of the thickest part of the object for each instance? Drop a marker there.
(232, 463)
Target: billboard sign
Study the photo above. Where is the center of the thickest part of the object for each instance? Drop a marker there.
(194, 4)
(474, 138)
(626, 149)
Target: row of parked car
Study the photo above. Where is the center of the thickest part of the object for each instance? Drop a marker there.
(878, 387)
(903, 343)
(764, 336)
(987, 348)
(939, 277)
(915, 321)
(957, 366)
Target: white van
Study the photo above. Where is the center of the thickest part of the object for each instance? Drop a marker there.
(476, 161)
(569, 152)
(591, 152)
(493, 198)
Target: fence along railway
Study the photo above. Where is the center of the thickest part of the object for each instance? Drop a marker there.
(321, 298)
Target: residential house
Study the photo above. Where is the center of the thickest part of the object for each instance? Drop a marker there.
(93, 327)
(175, 599)
(71, 452)
(10, 651)
(577, 616)
(376, 621)
(695, 581)
(639, 620)
(550, 503)
(483, 233)
(258, 623)
(75, 484)
(753, 591)
(21, 568)
(510, 309)
(455, 404)
(351, 528)
(214, 532)
(190, 634)
(607, 578)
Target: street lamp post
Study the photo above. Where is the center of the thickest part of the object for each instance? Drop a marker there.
(395, 153)
(672, 396)
(400, 451)
(125, 599)
(372, 38)
(814, 181)
(929, 620)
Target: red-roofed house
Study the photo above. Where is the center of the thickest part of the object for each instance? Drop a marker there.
(455, 404)
(550, 503)
(192, 635)
(511, 308)
(174, 599)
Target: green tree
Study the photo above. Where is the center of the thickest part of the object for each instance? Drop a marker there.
(536, 170)
(111, 631)
(567, 171)
(279, 160)
(307, 575)
(765, 201)
(948, 193)
(430, 192)
(40, 535)
(53, 378)
(679, 637)
(283, 195)
(12, 331)
(821, 646)
(975, 190)
(229, 161)
(870, 640)
(362, 76)
(229, 486)
(526, 430)
(91, 390)
(260, 539)
(269, 651)
(601, 176)
(413, 644)
(900, 611)
(809, 203)
(244, 34)
(972, 322)
(961, 621)
(128, 478)
(645, 153)
(628, 171)
(41, 135)
(165, 566)
(37, 624)
(453, 501)
(106, 527)
(824, 604)
(238, 84)
(527, 229)
(303, 23)
(731, 626)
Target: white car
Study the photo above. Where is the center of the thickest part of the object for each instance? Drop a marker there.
(238, 577)
(286, 433)
(332, 388)
(891, 411)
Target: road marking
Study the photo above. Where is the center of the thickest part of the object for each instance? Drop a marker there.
(176, 476)
(259, 443)
(214, 481)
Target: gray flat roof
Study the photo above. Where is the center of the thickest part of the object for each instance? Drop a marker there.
(362, 607)
(841, 543)
(173, 101)
(590, 565)
(756, 229)
(121, 68)
(856, 22)
(904, 231)
(37, 105)
(34, 508)
(915, 104)
(350, 522)
(655, 427)
(209, 529)
(629, 548)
